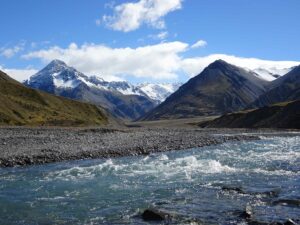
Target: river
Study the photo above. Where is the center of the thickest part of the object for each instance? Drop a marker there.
(209, 185)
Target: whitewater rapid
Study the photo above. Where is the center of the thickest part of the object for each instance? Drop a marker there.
(197, 185)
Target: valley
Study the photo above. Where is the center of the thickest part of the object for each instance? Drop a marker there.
(220, 89)
(167, 112)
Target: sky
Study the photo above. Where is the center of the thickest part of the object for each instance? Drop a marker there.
(147, 40)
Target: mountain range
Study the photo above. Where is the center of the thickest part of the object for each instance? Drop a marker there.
(122, 99)
(285, 88)
(223, 88)
(21, 105)
(220, 88)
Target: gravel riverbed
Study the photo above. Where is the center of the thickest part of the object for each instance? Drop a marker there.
(21, 146)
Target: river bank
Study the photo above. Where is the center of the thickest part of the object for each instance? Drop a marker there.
(21, 146)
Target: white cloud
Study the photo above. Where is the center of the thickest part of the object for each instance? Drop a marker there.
(160, 61)
(10, 52)
(194, 66)
(19, 74)
(157, 62)
(199, 44)
(130, 16)
(160, 36)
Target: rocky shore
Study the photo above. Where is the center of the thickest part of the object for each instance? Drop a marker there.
(21, 146)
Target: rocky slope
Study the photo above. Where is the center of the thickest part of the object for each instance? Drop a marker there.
(25, 106)
(219, 89)
(282, 115)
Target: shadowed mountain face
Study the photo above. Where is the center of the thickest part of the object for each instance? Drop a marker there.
(59, 79)
(219, 89)
(25, 106)
(282, 115)
(285, 88)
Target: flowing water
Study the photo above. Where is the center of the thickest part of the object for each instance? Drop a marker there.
(210, 185)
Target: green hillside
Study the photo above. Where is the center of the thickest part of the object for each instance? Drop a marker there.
(24, 106)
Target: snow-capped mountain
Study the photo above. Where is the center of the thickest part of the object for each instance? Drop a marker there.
(123, 87)
(218, 89)
(265, 69)
(120, 98)
(57, 75)
(158, 92)
(271, 74)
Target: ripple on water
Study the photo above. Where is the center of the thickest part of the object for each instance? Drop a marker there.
(189, 183)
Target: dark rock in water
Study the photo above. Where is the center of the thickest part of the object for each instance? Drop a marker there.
(235, 189)
(155, 215)
(290, 222)
(247, 214)
(288, 202)
(269, 193)
(272, 193)
(258, 223)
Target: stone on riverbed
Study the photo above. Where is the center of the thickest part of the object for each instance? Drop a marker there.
(155, 215)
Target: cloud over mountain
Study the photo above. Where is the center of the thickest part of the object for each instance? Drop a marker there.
(163, 61)
(160, 61)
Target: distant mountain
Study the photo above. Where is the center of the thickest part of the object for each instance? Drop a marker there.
(266, 74)
(25, 106)
(283, 115)
(120, 98)
(218, 89)
(158, 92)
(57, 75)
(271, 74)
(285, 88)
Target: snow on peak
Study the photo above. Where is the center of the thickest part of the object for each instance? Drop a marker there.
(270, 74)
(159, 92)
(59, 75)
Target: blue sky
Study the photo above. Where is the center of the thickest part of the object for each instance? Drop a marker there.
(35, 31)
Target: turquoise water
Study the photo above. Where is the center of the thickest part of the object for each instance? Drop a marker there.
(189, 184)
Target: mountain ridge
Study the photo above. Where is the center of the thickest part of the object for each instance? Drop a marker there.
(280, 115)
(21, 105)
(219, 88)
(285, 88)
(59, 79)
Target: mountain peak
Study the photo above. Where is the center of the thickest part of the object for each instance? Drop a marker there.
(56, 65)
(219, 64)
(57, 62)
(221, 61)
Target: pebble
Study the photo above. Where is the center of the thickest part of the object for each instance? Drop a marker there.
(27, 146)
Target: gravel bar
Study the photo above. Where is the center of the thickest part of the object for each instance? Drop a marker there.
(21, 146)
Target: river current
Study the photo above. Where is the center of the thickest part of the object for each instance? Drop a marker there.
(209, 185)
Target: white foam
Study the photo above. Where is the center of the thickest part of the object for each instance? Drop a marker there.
(77, 172)
(252, 157)
(56, 198)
